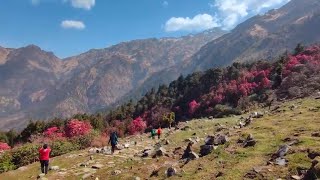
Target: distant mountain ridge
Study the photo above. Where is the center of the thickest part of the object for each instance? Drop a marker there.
(37, 85)
(264, 36)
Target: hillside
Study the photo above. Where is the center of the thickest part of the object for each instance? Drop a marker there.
(38, 85)
(294, 123)
(266, 36)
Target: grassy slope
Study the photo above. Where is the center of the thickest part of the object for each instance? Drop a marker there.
(231, 159)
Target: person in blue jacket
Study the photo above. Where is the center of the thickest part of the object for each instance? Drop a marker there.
(113, 140)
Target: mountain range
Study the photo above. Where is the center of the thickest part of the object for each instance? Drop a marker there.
(36, 84)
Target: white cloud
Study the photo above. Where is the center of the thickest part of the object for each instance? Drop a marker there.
(165, 4)
(231, 12)
(198, 23)
(84, 4)
(71, 24)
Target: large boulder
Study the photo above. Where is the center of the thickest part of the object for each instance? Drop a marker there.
(206, 149)
(171, 172)
(159, 152)
(218, 139)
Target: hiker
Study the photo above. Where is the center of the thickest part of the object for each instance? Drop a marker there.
(153, 133)
(159, 132)
(114, 141)
(44, 154)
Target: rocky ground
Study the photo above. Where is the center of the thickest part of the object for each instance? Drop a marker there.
(280, 143)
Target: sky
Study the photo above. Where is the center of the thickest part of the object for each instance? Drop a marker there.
(71, 27)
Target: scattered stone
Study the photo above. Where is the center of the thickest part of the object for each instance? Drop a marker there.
(257, 115)
(171, 171)
(257, 169)
(281, 161)
(127, 145)
(312, 154)
(313, 172)
(206, 149)
(97, 166)
(249, 142)
(120, 147)
(85, 176)
(210, 117)
(54, 168)
(296, 177)
(178, 151)
(23, 168)
(315, 134)
(40, 175)
(282, 151)
(292, 107)
(91, 157)
(186, 128)
(160, 152)
(136, 178)
(193, 155)
(251, 175)
(219, 174)
(155, 173)
(116, 172)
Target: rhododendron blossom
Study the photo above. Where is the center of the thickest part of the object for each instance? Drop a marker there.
(77, 128)
(53, 132)
(193, 106)
(137, 126)
(4, 146)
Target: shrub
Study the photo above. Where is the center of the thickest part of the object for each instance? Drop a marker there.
(83, 141)
(25, 155)
(6, 162)
(62, 147)
(224, 110)
(77, 128)
(99, 141)
(4, 146)
(137, 126)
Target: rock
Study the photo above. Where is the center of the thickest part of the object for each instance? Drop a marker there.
(85, 176)
(116, 172)
(206, 149)
(249, 142)
(119, 146)
(313, 172)
(210, 117)
(136, 178)
(257, 169)
(257, 115)
(296, 177)
(186, 128)
(280, 161)
(193, 155)
(178, 151)
(219, 174)
(315, 134)
(220, 139)
(160, 152)
(171, 172)
(40, 175)
(127, 145)
(312, 154)
(91, 157)
(54, 168)
(23, 168)
(282, 151)
(97, 166)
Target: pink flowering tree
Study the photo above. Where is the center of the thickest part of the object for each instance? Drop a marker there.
(193, 106)
(4, 147)
(54, 133)
(137, 126)
(76, 128)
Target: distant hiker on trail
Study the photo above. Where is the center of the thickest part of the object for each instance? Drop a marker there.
(159, 132)
(114, 141)
(44, 155)
(153, 133)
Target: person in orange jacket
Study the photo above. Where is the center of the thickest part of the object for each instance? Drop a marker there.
(44, 155)
(159, 132)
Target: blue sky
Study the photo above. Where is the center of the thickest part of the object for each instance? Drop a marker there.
(70, 27)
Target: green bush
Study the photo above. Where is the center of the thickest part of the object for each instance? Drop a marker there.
(6, 163)
(84, 141)
(25, 155)
(223, 110)
(62, 147)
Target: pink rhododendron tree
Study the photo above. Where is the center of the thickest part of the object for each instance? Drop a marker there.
(193, 106)
(54, 133)
(77, 128)
(137, 126)
(4, 146)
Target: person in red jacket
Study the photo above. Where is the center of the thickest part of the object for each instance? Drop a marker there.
(44, 155)
(159, 132)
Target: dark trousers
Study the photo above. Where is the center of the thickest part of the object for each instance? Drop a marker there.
(159, 136)
(113, 147)
(44, 166)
